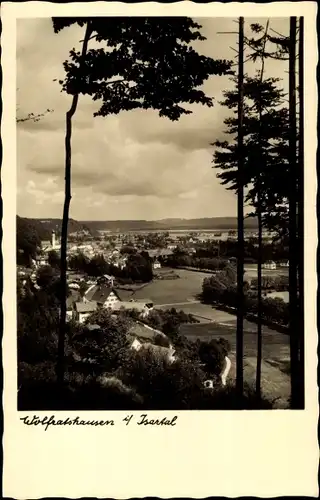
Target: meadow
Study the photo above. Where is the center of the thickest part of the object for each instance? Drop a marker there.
(181, 290)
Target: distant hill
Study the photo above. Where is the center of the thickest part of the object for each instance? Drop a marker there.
(214, 223)
(44, 227)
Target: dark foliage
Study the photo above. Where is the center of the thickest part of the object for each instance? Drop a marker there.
(143, 62)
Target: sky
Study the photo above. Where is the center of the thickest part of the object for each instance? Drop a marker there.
(134, 165)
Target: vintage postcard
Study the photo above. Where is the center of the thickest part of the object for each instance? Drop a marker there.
(159, 249)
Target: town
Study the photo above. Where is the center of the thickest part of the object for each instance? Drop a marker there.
(164, 283)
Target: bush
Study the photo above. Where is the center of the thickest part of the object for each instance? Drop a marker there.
(161, 384)
(212, 355)
(161, 340)
(38, 390)
(226, 398)
(169, 321)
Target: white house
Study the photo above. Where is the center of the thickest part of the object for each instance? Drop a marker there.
(270, 264)
(83, 310)
(40, 260)
(74, 286)
(141, 307)
(156, 265)
(104, 295)
(284, 263)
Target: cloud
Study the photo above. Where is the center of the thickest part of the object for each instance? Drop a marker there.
(131, 165)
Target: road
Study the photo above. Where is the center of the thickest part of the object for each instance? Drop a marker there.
(175, 304)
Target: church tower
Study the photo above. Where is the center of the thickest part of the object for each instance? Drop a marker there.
(53, 239)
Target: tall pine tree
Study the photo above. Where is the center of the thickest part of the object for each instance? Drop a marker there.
(265, 130)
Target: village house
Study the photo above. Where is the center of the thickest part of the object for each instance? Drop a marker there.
(156, 264)
(104, 295)
(284, 263)
(83, 310)
(105, 279)
(141, 306)
(270, 264)
(74, 286)
(40, 260)
(142, 337)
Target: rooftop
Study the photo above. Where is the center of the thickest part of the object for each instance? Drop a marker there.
(83, 307)
(100, 293)
(143, 331)
(130, 305)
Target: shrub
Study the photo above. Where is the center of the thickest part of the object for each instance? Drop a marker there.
(161, 384)
(212, 355)
(226, 398)
(38, 390)
(161, 340)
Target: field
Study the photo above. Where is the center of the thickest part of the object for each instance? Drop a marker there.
(187, 288)
(182, 294)
(251, 271)
(182, 290)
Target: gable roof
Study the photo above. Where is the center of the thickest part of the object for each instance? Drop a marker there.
(131, 305)
(83, 307)
(73, 297)
(143, 331)
(125, 294)
(100, 293)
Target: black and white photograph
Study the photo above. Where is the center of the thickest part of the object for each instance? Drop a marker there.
(160, 213)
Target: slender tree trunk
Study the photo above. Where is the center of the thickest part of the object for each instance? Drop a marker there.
(260, 227)
(293, 248)
(301, 209)
(64, 229)
(259, 325)
(240, 260)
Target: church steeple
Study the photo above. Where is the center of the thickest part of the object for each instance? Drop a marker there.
(53, 239)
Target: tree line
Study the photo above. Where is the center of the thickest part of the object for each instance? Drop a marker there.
(137, 268)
